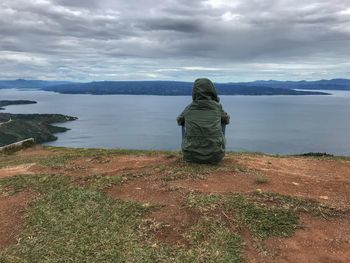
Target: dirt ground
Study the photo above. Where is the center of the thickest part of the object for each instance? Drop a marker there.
(11, 216)
(19, 169)
(327, 180)
(324, 179)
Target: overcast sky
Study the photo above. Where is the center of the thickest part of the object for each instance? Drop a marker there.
(240, 40)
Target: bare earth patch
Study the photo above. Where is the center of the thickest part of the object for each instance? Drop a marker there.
(36, 151)
(320, 240)
(325, 180)
(18, 169)
(116, 163)
(11, 212)
(175, 219)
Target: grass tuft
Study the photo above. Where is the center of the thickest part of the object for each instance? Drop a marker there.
(260, 179)
(100, 181)
(296, 204)
(262, 221)
(212, 241)
(39, 183)
(79, 225)
(59, 157)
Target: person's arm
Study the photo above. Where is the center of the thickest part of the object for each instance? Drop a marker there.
(225, 118)
(181, 118)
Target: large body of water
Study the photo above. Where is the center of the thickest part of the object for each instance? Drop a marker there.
(273, 124)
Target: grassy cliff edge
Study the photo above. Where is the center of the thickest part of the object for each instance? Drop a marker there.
(96, 205)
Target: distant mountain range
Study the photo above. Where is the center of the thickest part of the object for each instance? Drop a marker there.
(172, 88)
(332, 84)
(22, 83)
(169, 88)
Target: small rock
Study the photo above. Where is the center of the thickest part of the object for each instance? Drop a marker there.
(259, 190)
(324, 197)
(138, 188)
(295, 183)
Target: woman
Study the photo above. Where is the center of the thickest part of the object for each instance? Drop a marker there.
(204, 141)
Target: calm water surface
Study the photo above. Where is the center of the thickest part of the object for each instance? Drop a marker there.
(273, 124)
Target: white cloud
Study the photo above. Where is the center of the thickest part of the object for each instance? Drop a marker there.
(198, 68)
(21, 57)
(228, 16)
(345, 12)
(219, 4)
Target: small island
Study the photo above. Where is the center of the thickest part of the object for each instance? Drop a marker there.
(17, 127)
(4, 103)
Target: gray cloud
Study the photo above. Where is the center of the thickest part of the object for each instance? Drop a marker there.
(174, 39)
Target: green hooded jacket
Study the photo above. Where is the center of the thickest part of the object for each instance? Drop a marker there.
(204, 141)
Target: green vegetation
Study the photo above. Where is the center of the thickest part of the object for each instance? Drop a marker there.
(260, 179)
(265, 214)
(262, 221)
(221, 245)
(59, 157)
(51, 161)
(24, 126)
(316, 154)
(184, 170)
(320, 156)
(105, 152)
(171, 88)
(100, 181)
(39, 183)
(12, 148)
(14, 102)
(181, 169)
(72, 224)
(296, 204)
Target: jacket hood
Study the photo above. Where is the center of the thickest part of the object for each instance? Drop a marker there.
(203, 89)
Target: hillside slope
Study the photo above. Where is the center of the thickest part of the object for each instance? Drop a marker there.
(94, 205)
(17, 127)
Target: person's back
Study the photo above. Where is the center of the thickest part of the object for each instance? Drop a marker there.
(204, 141)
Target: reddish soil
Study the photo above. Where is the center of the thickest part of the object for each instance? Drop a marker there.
(11, 213)
(37, 151)
(327, 180)
(19, 169)
(320, 240)
(174, 219)
(117, 163)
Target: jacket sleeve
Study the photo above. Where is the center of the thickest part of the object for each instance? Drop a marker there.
(225, 118)
(181, 118)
